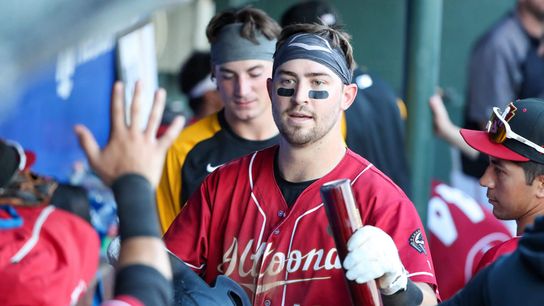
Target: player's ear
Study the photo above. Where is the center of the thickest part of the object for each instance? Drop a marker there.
(350, 91)
(270, 87)
(539, 180)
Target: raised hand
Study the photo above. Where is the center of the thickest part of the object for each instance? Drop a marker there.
(446, 129)
(130, 150)
(442, 123)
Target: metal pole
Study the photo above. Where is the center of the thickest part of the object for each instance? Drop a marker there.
(424, 27)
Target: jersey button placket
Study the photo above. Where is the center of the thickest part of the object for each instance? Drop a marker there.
(281, 214)
(267, 302)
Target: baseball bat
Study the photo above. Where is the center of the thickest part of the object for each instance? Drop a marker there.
(345, 219)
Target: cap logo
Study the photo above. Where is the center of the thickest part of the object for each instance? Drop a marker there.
(510, 112)
(507, 115)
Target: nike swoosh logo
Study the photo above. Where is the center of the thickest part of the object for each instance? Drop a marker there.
(211, 168)
(310, 47)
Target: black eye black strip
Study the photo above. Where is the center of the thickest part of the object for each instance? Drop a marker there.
(286, 92)
(318, 94)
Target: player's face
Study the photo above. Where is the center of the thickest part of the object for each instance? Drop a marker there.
(307, 101)
(535, 7)
(242, 86)
(507, 190)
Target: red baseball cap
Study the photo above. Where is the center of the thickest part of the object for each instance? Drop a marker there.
(49, 259)
(527, 120)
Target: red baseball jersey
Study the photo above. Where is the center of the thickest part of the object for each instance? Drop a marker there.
(495, 252)
(238, 224)
(460, 232)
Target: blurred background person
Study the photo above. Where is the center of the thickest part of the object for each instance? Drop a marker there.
(242, 45)
(196, 82)
(506, 64)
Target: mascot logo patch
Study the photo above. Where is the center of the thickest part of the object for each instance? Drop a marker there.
(416, 241)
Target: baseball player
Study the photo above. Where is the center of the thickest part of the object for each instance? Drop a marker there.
(374, 124)
(242, 45)
(260, 219)
(514, 178)
(513, 140)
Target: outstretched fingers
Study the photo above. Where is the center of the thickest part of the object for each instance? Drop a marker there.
(156, 114)
(171, 133)
(88, 143)
(135, 107)
(117, 109)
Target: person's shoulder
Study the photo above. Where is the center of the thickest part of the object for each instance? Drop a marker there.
(243, 164)
(198, 131)
(496, 252)
(377, 96)
(370, 176)
(506, 247)
(203, 128)
(367, 80)
(505, 34)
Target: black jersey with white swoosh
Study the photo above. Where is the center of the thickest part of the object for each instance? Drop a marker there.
(211, 153)
(199, 150)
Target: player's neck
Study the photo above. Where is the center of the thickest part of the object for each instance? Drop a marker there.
(529, 218)
(259, 128)
(300, 164)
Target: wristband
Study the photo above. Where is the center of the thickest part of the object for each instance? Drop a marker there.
(136, 207)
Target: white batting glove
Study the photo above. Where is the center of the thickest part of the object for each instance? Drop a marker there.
(372, 254)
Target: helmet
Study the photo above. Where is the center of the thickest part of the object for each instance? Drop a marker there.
(190, 289)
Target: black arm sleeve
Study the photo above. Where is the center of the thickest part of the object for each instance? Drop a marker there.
(412, 296)
(144, 283)
(136, 207)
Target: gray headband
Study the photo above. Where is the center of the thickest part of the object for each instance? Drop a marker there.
(314, 48)
(230, 46)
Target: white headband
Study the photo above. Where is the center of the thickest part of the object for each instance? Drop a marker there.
(205, 85)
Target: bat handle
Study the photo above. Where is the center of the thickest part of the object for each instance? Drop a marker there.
(344, 219)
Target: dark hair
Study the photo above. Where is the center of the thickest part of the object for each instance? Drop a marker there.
(194, 69)
(310, 12)
(253, 20)
(336, 37)
(532, 170)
